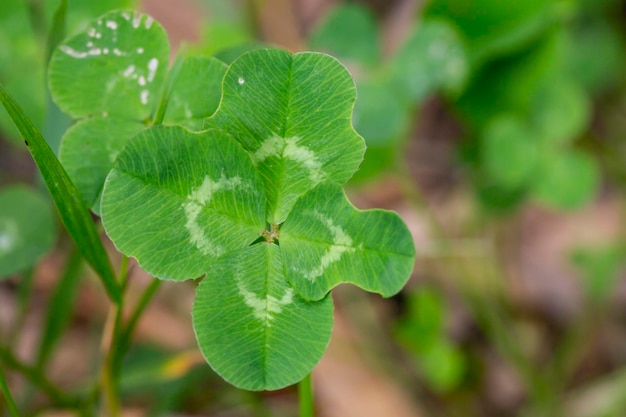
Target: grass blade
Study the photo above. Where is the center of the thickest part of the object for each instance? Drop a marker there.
(72, 209)
(4, 388)
(57, 31)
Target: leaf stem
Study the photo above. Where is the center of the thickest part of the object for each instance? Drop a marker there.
(111, 339)
(305, 395)
(4, 387)
(145, 299)
(166, 90)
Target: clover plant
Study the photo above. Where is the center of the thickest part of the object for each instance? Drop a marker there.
(233, 174)
(525, 104)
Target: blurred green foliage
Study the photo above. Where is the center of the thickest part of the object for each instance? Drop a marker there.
(422, 331)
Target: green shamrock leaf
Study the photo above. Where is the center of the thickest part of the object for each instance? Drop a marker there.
(122, 58)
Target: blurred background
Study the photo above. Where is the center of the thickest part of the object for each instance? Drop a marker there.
(496, 129)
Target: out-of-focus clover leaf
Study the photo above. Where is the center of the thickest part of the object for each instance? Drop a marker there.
(27, 229)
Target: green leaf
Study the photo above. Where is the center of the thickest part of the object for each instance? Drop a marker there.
(115, 67)
(509, 152)
(433, 57)
(88, 150)
(600, 267)
(349, 32)
(508, 85)
(560, 111)
(327, 241)
(293, 114)
(494, 27)
(196, 92)
(72, 210)
(598, 38)
(251, 326)
(423, 326)
(566, 180)
(27, 229)
(81, 12)
(177, 200)
(442, 365)
(380, 115)
(57, 31)
(21, 64)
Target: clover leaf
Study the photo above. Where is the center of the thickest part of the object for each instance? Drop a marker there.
(121, 60)
(254, 204)
(27, 228)
(252, 327)
(292, 113)
(326, 241)
(177, 200)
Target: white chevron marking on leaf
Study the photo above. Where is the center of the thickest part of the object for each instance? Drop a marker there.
(264, 309)
(199, 198)
(289, 148)
(342, 243)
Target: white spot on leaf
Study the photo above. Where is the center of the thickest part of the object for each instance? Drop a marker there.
(149, 21)
(141, 80)
(153, 64)
(199, 198)
(129, 71)
(111, 25)
(80, 54)
(140, 50)
(136, 20)
(264, 309)
(143, 96)
(9, 235)
(241, 81)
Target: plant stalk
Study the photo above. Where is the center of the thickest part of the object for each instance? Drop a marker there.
(305, 396)
(143, 302)
(112, 334)
(6, 392)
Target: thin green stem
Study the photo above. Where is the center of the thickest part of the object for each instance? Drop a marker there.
(4, 387)
(113, 333)
(167, 87)
(305, 396)
(38, 379)
(145, 299)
